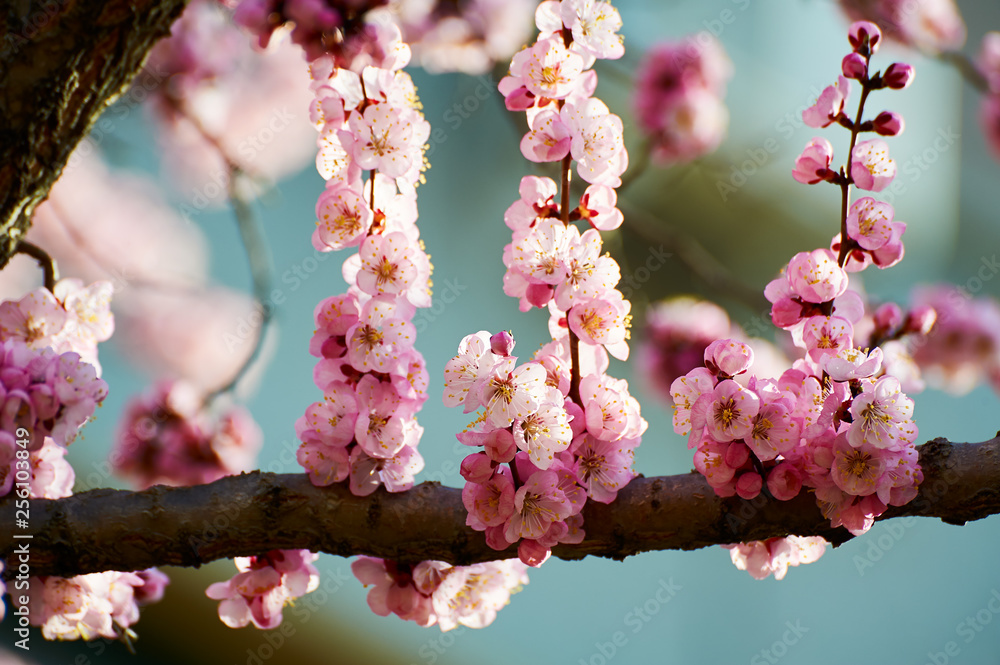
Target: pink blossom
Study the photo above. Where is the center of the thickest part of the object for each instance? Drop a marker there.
(537, 504)
(829, 105)
(396, 590)
(474, 359)
(545, 432)
(727, 412)
(604, 320)
(379, 429)
(551, 70)
(854, 66)
(775, 429)
(597, 144)
(549, 139)
(541, 252)
(685, 391)
(388, 139)
(511, 393)
(263, 586)
(594, 25)
(813, 165)
(388, 265)
(869, 223)
(871, 168)
(678, 97)
(37, 320)
(472, 595)
(597, 206)
(377, 341)
(857, 469)
(603, 467)
(537, 201)
(395, 473)
(605, 404)
(588, 274)
(728, 357)
(83, 607)
(882, 416)
(490, 502)
(761, 558)
(826, 336)
(815, 276)
(851, 364)
(963, 348)
(167, 437)
(344, 218)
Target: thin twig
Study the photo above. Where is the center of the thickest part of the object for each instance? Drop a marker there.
(45, 262)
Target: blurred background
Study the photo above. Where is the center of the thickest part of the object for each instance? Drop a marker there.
(909, 591)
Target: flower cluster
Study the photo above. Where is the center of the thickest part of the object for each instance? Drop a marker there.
(354, 34)
(774, 555)
(436, 593)
(168, 437)
(373, 379)
(678, 97)
(989, 108)
(556, 430)
(262, 587)
(835, 422)
(91, 606)
(48, 355)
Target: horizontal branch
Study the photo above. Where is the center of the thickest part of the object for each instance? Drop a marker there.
(255, 512)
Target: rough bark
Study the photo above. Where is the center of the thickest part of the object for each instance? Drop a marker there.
(61, 63)
(255, 512)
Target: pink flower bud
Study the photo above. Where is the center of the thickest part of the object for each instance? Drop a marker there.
(784, 482)
(477, 468)
(502, 343)
(813, 165)
(920, 320)
(888, 316)
(728, 357)
(864, 35)
(871, 167)
(737, 454)
(748, 485)
(899, 75)
(889, 123)
(854, 66)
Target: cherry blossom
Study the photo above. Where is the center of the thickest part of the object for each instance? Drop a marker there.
(551, 70)
(773, 556)
(263, 586)
(882, 416)
(871, 167)
(594, 25)
(829, 105)
(813, 165)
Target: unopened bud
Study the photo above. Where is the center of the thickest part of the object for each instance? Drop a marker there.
(864, 35)
(899, 75)
(502, 343)
(888, 123)
(854, 66)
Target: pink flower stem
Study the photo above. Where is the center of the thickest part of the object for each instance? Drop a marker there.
(45, 262)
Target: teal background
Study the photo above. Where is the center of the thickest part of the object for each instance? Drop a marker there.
(901, 594)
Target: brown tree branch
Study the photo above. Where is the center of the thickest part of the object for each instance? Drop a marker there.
(61, 63)
(252, 513)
